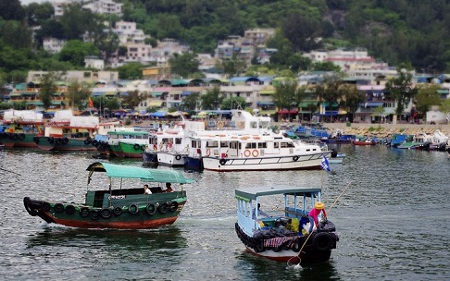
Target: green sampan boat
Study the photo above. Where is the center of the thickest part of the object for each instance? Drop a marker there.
(123, 205)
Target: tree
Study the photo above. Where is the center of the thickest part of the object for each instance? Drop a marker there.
(212, 99)
(445, 108)
(75, 51)
(37, 14)
(379, 112)
(233, 103)
(78, 93)
(132, 70)
(184, 64)
(352, 98)
(329, 91)
(234, 67)
(286, 95)
(426, 97)
(11, 10)
(191, 102)
(47, 89)
(16, 34)
(401, 90)
(133, 99)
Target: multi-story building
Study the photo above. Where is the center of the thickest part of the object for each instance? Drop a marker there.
(79, 75)
(53, 45)
(104, 7)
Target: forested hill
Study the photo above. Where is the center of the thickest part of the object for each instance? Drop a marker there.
(410, 32)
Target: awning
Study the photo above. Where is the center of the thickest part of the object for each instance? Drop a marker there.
(329, 113)
(371, 104)
(158, 114)
(265, 103)
(156, 94)
(285, 111)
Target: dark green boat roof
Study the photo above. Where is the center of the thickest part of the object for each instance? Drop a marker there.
(253, 192)
(147, 175)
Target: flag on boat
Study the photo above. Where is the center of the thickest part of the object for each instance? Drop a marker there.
(91, 104)
(325, 164)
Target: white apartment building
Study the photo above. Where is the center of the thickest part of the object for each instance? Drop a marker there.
(94, 62)
(53, 45)
(128, 33)
(105, 7)
(79, 75)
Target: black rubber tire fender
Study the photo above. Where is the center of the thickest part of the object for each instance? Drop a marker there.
(151, 209)
(322, 241)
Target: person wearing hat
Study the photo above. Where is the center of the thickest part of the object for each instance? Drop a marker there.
(319, 208)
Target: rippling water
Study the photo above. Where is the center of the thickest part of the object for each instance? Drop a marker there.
(393, 222)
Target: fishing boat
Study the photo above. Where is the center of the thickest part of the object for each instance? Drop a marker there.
(21, 127)
(123, 205)
(127, 143)
(364, 141)
(288, 233)
(66, 132)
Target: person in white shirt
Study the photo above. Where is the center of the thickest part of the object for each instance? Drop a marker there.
(147, 189)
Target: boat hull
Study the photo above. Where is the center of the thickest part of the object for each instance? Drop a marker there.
(193, 163)
(315, 248)
(11, 140)
(64, 144)
(127, 150)
(129, 217)
(170, 159)
(150, 158)
(281, 163)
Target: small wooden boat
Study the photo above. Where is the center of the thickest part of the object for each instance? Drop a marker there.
(364, 141)
(123, 205)
(289, 234)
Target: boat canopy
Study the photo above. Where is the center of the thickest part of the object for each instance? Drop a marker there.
(147, 175)
(252, 193)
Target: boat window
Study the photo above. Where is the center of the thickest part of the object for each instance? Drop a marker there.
(212, 144)
(193, 144)
(283, 144)
(253, 124)
(290, 144)
(262, 145)
(223, 144)
(276, 145)
(251, 145)
(177, 140)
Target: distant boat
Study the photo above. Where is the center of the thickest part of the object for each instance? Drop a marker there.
(289, 234)
(364, 141)
(123, 205)
(21, 127)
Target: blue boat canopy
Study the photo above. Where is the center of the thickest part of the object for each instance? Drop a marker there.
(147, 175)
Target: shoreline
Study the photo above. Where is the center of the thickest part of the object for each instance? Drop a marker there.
(381, 130)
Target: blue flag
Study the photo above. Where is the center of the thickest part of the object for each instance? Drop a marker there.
(325, 164)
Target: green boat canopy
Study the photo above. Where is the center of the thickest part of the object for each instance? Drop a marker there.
(252, 193)
(147, 175)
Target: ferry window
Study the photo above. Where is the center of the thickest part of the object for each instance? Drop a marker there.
(223, 144)
(253, 124)
(290, 144)
(178, 141)
(283, 144)
(262, 145)
(276, 145)
(308, 149)
(194, 144)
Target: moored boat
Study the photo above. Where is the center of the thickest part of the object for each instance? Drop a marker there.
(127, 143)
(364, 141)
(21, 127)
(123, 205)
(290, 234)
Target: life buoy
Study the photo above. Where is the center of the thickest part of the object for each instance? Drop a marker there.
(94, 214)
(173, 206)
(58, 207)
(136, 146)
(322, 241)
(295, 158)
(208, 152)
(133, 209)
(151, 209)
(178, 157)
(117, 211)
(259, 246)
(247, 153)
(163, 208)
(241, 124)
(296, 245)
(70, 209)
(222, 162)
(255, 153)
(106, 213)
(84, 212)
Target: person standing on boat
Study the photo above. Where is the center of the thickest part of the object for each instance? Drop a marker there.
(147, 189)
(260, 212)
(319, 209)
(168, 187)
